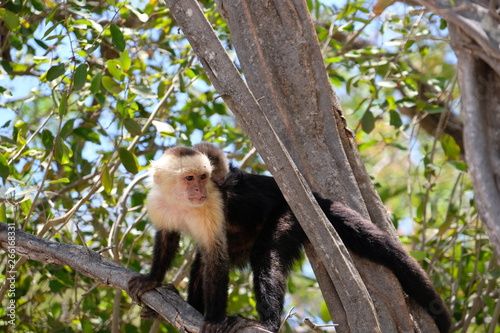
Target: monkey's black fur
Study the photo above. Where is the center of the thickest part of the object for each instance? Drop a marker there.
(262, 230)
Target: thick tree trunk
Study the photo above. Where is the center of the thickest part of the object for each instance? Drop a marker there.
(279, 52)
(479, 86)
(475, 38)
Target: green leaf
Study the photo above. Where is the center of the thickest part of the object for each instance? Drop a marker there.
(37, 5)
(450, 147)
(117, 37)
(3, 212)
(80, 76)
(143, 17)
(56, 285)
(459, 165)
(107, 180)
(143, 91)
(62, 152)
(60, 180)
(419, 255)
(55, 71)
(88, 134)
(395, 119)
(111, 85)
(47, 139)
(129, 160)
(4, 169)
(368, 122)
(125, 60)
(10, 19)
(132, 126)
(408, 44)
(63, 104)
(324, 313)
(114, 68)
(67, 128)
(95, 84)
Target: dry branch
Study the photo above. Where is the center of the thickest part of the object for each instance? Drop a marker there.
(90, 263)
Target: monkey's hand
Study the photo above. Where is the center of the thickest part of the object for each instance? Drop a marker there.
(229, 325)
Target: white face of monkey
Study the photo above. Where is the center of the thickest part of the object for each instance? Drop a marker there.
(183, 177)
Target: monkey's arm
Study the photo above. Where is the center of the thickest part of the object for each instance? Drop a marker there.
(165, 248)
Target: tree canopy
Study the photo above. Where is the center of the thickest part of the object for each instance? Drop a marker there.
(91, 92)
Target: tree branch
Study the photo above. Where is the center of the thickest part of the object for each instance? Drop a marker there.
(89, 263)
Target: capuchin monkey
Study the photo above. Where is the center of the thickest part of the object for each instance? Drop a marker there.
(236, 219)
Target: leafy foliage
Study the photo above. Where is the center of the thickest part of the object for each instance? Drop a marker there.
(92, 91)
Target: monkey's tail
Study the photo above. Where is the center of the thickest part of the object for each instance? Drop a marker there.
(367, 240)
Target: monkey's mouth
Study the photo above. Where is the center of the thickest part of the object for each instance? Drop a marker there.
(197, 200)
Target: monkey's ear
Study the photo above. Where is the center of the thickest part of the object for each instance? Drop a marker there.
(217, 159)
(157, 172)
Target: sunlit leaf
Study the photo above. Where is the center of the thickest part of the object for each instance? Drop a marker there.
(62, 152)
(114, 68)
(143, 17)
(324, 313)
(10, 19)
(111, 85)
(4, 168)
(125, 60)
(3, 211)
(163, 127)
(107, 180)
(60, 180)
(450, 147)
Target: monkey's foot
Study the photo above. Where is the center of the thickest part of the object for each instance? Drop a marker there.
(140, 284)
(149, 313)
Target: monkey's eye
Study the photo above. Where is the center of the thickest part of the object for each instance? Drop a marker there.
(203, 176)
(189, 178)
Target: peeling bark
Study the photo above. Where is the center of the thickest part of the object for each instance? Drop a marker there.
(480, 86)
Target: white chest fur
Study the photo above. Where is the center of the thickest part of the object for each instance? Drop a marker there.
(204, 223)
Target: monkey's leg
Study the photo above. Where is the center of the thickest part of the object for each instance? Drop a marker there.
(164, 251)
(195, 288)
(215, 282)
(272, 257)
